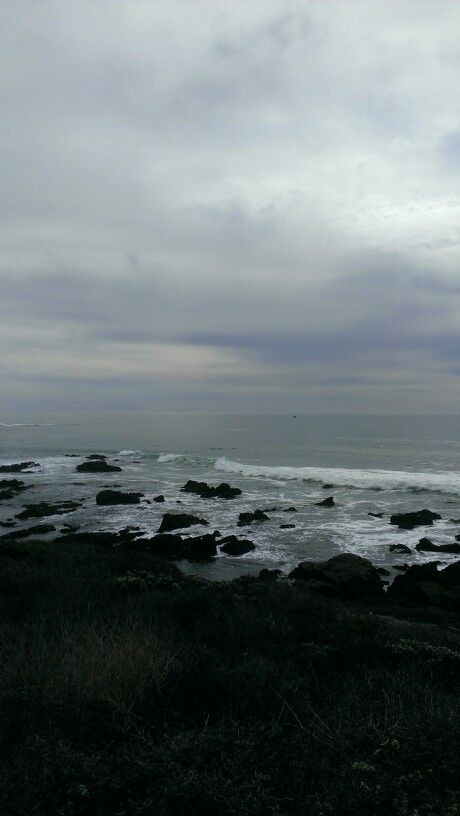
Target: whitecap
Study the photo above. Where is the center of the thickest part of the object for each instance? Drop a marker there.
(448, 482)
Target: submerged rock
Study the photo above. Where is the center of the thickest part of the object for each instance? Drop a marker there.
(244, 519)
(97, 466)
(290, 510)
(105, 497)
(328, 486)
(18, 467)
(176, 521)
(9, 488)
(329, 502)
(346, 575)
(205, 491)
(417, 518)
(44, 509)
(425, 545)
(376, 515)
(159, 499)
(97, 457)
(231, 545)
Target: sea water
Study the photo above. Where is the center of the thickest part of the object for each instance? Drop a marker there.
(378, 464)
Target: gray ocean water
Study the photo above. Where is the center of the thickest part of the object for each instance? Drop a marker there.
(376, 463)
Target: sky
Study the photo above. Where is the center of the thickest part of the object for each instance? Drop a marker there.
(230, 206)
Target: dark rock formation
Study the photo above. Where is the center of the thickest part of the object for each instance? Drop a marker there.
(329, 502)
(160, 499)
(417, 518)
(425, 545)
(269, 574)
(97, 466)
(105, 497)
(383, 571)
(424, 583)
(328, 486)
(205, 491)
(9, 488)
(231, 545)
(18, 467)
(175, 547)
(97, 457)
(344, 575)
(44, 509)
(37, 529)
(287, 526)
(290, 510)
(244, 519)
(177, 521)
(376, 515)
(400, 548)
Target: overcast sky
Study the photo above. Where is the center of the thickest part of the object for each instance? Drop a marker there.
(230, 205)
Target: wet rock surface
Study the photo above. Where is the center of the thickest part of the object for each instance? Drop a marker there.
(97, 466)
(205, 491)
(245, 519)
(329, 502)
(177, 521)
(109, 497)
(19, 467)
(45, 509)
(232, 545)
(416, 518)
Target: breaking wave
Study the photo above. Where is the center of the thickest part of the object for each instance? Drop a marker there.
(349, 477)
(171, 457)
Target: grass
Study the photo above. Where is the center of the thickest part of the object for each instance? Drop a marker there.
(128, 689)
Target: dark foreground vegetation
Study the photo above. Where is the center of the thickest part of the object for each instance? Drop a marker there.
(129, 689)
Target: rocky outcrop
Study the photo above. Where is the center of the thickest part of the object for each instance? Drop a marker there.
(37, 529)
(232, 545)
(19, 467)
(44, 509)
(269, 574)
(425, 545)
(244, 519)
(159, 499)
(329, 502)
(344, 575)
(424, 583)
(400, 548)
(287, 526)
(417, 518)
(97, 466)
(177, 521)
(176, 547)
(205, 491)
(97, 457)
(9, 488)
(108, 497)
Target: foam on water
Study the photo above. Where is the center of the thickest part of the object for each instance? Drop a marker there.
(349, 477)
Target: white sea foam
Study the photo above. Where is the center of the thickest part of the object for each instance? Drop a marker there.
(131, 453)
(448, 482)
(27, 424)
(171, 457)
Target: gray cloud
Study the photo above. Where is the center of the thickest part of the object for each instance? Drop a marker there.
(255, 208)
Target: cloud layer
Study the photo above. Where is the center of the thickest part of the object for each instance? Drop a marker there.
(230, 206)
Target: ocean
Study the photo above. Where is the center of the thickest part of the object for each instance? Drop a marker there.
(376, 464)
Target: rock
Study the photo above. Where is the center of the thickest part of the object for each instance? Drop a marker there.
(329, 502)
(287, 526)
(376, 515)
(159, 499)
(346, 575)
(271, 510)
(176, 521)
(205, 491)
(69, 528)
(105, 497)
(44, 509)
(269, 575)
(425, 545)
(383, 571)
(18, 467)
(428, 592)
(290, 510)
(102, 538)
(400, 548)
(404, 586)
(417, 518)
(8, 523)
(97, 466)
(328, 486)
(38, 529)
(450, 576)
(231, 545)
(173, 546)
(96, 457)
(9, 488)
(244, 519)
(401, 567)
